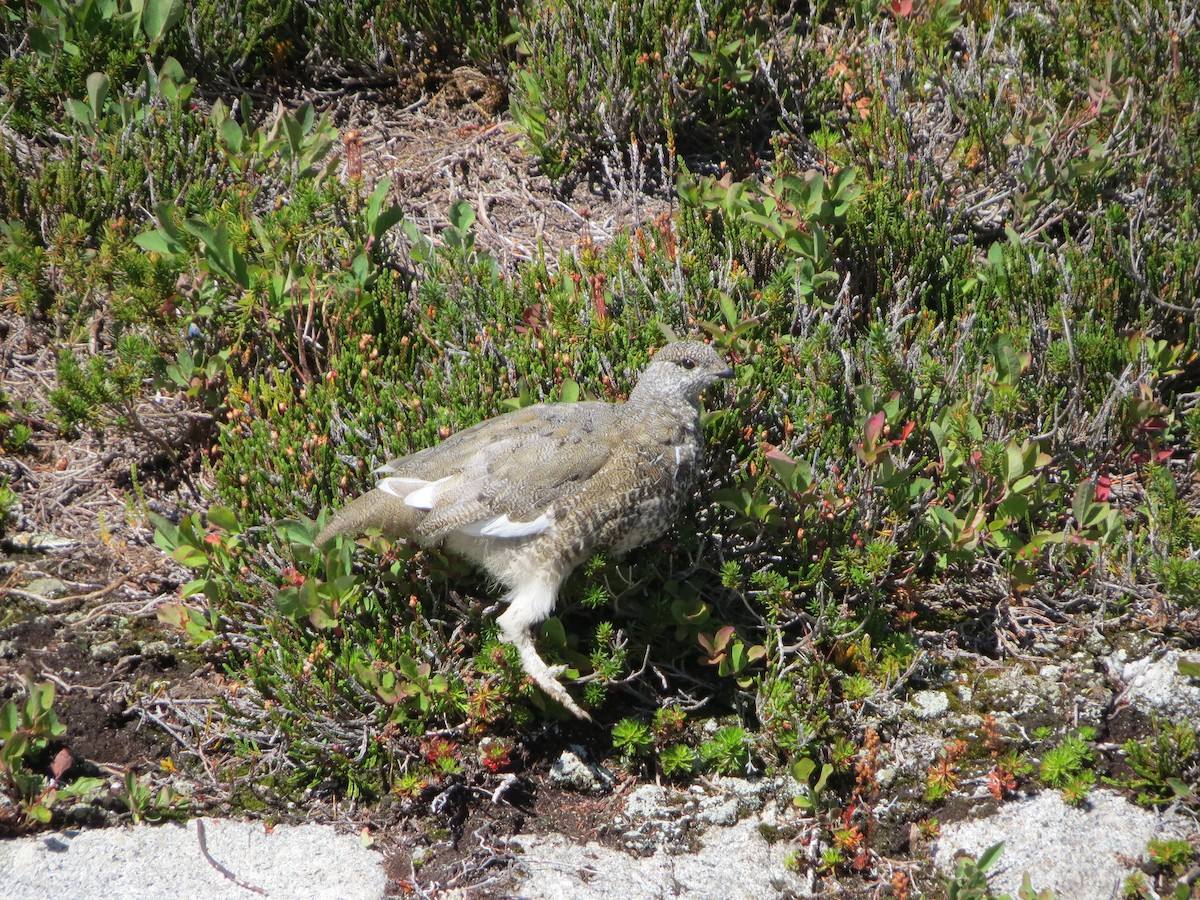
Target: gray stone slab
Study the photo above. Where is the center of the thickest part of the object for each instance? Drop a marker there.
(305, 862)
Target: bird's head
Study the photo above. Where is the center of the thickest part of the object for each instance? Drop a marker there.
(684, 368)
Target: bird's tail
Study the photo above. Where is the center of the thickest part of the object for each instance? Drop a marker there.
(374, 510)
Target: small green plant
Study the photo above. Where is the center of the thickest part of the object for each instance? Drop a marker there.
(144, 804)
(215, 554)
(944, 775)
(66, 27)
(495, 753)
(597, 75)
(441, 754)
(8, 502)
(732, 657)
(200, 375)
(803, 771)
(14, 433)
(412, 689)
(857, 687)
(105, 391)
(1135, 887)
(409, 785)
(293, 145)
(1159, 761)
(1068, 768)
(26, 730)
(832, 858)
(668, 722)
(678, 760)
(969, 881)
(1173, 854)
(633, 738)
(790, 217)
(728, 751)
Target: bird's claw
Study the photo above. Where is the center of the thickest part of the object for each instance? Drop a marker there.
(544, 676)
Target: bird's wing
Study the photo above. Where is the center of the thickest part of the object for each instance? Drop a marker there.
(506, 477)
(452, 454)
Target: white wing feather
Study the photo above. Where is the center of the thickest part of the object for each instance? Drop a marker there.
(504, 527)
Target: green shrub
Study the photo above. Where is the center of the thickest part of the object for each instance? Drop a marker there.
(597, 75)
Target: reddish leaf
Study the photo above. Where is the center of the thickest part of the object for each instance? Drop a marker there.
(777, 455)
(62, 762)
(723, 636)
(874, 429)
(902, 8)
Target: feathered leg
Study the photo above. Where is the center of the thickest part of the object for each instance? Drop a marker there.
(528, 606)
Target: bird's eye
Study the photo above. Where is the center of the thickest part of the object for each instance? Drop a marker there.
(688, 363)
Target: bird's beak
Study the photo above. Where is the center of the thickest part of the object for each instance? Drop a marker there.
(725, 373)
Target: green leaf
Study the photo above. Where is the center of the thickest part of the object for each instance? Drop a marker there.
(159, 16)
(80, 112)
(321, 618)
(737, 657)
(826, 771)
(43, 695)
(155, 242)
(81, 786)
(1014, 461)
(294, 532)
(1008, 541)
(171, 71)
(164, 215)
(15, 747)
(379, 220)
(1189, 668)
(223, 518)
(189, 556)
(803, 768)
(729, 310)
(553, 633)
(41, 41)
(1081, 504)
(232, 136)
(387, 219)
(194, 587)
(461, 215)
(9, 720)
(1014, 506)
(40, 813)
(408, 668)
(97, 88)
(989, 856)
(1180, 789)
(1007, 360)
(289, 603)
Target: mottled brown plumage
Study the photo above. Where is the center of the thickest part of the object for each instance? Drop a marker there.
(529, 495)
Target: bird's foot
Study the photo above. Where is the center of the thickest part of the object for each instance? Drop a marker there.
(544, 676)
(555, 691)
